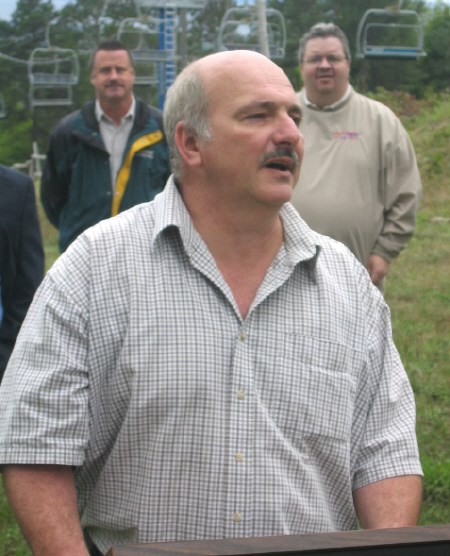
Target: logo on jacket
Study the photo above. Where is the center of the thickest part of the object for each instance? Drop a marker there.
(346, 135)
(146, 153)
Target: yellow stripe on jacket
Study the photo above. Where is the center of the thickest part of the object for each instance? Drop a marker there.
(124, 172)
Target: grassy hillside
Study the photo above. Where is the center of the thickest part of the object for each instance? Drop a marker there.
(418, 294)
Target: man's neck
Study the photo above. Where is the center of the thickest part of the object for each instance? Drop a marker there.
(243, 247)
(243, 260)
(116, 110)
(326, 101)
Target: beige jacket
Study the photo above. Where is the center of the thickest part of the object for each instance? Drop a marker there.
(359, 181)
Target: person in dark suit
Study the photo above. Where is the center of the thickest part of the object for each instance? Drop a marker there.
(21, 256)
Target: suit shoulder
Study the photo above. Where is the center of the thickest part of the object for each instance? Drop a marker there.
(12, 178)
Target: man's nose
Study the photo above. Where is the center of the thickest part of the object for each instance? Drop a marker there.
(287, 131)
(324, 62)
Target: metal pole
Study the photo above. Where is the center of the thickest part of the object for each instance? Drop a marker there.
(262, 27)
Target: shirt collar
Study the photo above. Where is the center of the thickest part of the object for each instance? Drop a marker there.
(101, 115)
(330, 107)
(300, 242)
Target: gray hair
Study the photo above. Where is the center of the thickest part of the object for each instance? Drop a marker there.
(186, 101)
(323, 30)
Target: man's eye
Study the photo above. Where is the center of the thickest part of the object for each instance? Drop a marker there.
(258, 116)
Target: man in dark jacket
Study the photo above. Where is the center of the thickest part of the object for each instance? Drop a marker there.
(21, 256)
(106, 157)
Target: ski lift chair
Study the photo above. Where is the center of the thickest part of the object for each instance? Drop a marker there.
(239, 30)
(111, 15)
(52, 73)
(141, 35)
(390, 33)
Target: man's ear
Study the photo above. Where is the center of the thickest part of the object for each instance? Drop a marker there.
(187, 146)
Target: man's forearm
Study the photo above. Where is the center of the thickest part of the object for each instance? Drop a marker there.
(389, 503)
(44, 501)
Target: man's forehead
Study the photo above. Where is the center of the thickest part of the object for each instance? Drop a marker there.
(318, 44)
(110, 57)
(237, 65)
(252, 81)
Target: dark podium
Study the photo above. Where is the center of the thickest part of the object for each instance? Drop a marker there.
(431, 540)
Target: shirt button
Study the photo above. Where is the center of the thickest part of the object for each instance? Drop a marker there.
(237, 517)
(239, 457)
(241, 394)
(242, 336)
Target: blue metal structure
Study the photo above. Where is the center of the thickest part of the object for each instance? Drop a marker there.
(166, 55)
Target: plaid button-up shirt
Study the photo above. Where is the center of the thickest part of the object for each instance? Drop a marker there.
(185, 421)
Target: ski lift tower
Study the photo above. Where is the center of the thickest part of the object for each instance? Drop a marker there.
(167, 38)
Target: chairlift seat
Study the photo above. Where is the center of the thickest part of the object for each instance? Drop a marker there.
(53, 79)
(52, 72)
(62, 64)
(239, 30)
(396, 52)
(378, 28)
(142, 36)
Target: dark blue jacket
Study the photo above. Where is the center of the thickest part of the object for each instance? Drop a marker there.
(76, 189)
(21, 255)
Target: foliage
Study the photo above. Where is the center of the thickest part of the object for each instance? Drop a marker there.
(82, 23)
(437, 45)
(417, 292)
(15, 142)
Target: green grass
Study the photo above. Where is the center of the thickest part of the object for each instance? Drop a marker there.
(418, 294)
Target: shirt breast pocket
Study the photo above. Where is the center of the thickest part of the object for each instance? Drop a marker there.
(314, 383)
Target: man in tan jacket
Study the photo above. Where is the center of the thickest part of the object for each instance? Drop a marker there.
(359, 181)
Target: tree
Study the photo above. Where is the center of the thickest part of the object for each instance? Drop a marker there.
(436, 65)
(31, 16)
(82, 24)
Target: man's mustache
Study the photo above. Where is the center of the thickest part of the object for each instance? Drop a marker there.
(282, 152)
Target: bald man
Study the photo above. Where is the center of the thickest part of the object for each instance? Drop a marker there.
(205, 365)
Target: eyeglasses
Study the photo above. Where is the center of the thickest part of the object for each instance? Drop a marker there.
(331, 59)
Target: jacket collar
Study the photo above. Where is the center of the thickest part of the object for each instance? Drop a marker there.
(331, 107)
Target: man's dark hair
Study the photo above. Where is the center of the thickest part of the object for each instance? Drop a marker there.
(324, 30)
(110, 45)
